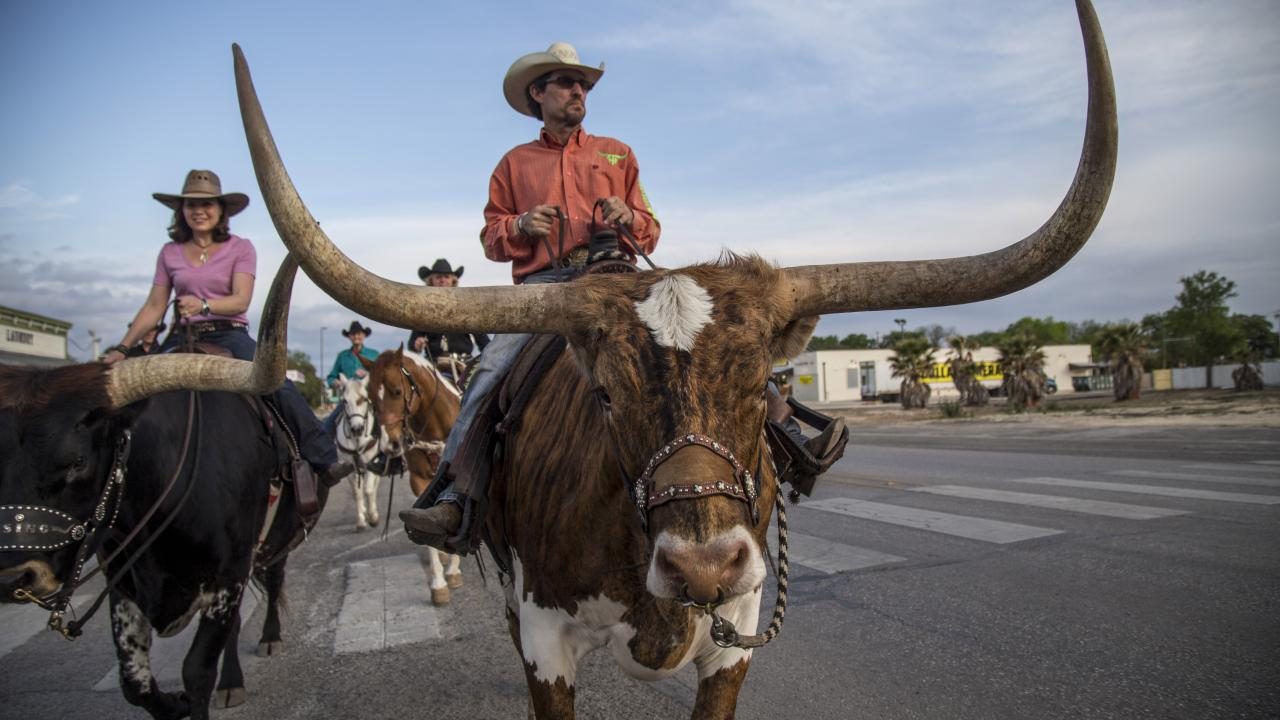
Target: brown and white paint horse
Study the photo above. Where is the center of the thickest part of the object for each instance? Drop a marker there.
(416, 407)
(615, 520)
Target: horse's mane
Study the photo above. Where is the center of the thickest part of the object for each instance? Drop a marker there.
(427, 366)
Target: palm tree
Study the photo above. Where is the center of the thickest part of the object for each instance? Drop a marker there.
(1022, 362)
(964, 370)
(912, 361)
(1123, 345)
(1249, 375)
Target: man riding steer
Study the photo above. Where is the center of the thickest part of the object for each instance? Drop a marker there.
(544, 200)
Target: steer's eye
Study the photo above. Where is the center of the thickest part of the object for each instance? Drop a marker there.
(79, 463)
(602, 397)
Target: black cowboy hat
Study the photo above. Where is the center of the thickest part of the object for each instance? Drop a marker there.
(356, 327)
(439, 267)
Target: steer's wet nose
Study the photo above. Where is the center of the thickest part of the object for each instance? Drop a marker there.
(704, 573)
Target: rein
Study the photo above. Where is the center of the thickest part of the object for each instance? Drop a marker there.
(744, 488)
(91, 533)
(356, 452)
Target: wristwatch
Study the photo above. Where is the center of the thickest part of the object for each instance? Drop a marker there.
(204, 307)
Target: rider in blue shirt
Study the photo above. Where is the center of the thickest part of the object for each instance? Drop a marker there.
(348, 365)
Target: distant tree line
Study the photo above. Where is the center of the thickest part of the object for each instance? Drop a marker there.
(1198, 330)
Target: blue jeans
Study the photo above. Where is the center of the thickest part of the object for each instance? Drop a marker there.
(495, 361)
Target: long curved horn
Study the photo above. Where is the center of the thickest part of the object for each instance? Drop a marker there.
(526, 308)
(132, 380)
(820, 289)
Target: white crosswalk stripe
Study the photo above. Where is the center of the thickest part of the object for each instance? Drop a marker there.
(387, 603)
(973, 528)
(1160, 475)
(1233, 467)
(1091, 507)
(1154, 490)
(832, 557)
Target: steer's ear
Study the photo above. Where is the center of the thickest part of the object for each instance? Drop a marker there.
(794, 338)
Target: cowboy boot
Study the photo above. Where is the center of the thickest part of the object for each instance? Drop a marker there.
(434, 525)
(335, 473)
(822, 444)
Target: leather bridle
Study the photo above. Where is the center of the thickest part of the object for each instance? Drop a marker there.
(93, 532)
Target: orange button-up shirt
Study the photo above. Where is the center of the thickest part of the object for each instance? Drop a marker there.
(571, 176)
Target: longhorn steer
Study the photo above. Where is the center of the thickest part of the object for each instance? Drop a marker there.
(67, 491)
(657, 357)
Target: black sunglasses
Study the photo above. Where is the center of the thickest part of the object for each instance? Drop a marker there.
(566, 82)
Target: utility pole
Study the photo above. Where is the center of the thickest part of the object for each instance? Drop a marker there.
(320, 365)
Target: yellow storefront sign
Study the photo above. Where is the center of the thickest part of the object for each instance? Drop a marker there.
(941, 372)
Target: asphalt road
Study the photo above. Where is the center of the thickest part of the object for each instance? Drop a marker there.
(943, 570)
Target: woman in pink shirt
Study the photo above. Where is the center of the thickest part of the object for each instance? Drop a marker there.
(210, 274)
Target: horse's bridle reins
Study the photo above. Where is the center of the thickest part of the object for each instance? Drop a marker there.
(406, 427)
(92, 533)
(357, 453)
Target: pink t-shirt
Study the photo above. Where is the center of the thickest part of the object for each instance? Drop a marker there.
(211, 280)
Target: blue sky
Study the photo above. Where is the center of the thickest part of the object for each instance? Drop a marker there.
(806, 132)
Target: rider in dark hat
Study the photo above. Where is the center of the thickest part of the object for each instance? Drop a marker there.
(348, 361)
(450, 352)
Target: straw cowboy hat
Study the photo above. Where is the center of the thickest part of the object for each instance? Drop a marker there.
(202, 185)
(355, 327)
(560, 56)
(439, 267)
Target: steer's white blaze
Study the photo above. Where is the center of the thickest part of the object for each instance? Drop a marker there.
(132, 633)
(676, 311)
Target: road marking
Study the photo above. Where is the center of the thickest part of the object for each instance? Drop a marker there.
(20, 623)
(387, 603)
(1233, 467)
(1154, 490)
(1266, 482)
(973, 528)
(168, 653)
(833, 557)
(1055, 502)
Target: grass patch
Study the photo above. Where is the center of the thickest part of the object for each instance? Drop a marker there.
(952, 409)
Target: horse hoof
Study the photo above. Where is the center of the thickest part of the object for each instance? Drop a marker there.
(440, 596)
(374, 520)
(228, 697)
(271, 648)
(454, 580)
(361, 528)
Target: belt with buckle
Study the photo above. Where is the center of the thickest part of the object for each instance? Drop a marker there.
(209, 326)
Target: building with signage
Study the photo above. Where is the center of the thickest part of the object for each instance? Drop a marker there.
(845, 375)
(30, 339)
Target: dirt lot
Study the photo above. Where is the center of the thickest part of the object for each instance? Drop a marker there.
(1170, 407)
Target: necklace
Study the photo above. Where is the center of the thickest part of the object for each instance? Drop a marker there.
(204, 253)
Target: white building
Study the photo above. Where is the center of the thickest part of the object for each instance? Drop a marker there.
(30, 339)
(846, 375)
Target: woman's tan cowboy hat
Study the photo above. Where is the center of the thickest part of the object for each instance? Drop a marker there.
(202, 185)
(439, 267)
(355, 328)
(560, 56)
